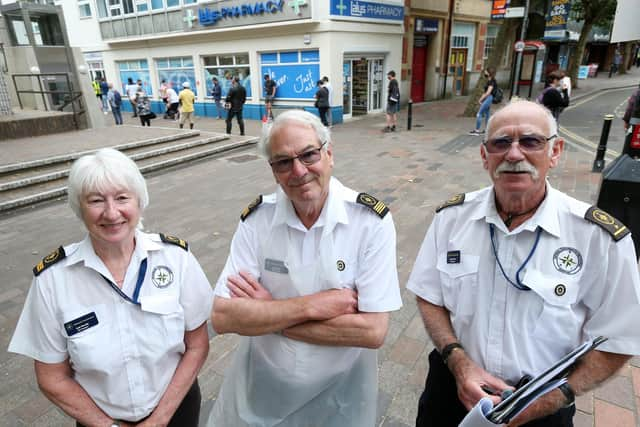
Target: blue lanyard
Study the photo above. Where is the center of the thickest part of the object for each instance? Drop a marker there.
(141, 272)
(518, 284)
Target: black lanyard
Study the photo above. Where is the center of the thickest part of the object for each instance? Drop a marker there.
(518, 284)
(141, 272)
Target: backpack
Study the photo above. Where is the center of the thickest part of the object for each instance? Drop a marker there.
(540, 96)
(117, 99)
(497, 95)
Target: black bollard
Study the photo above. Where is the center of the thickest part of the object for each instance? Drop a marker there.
(409, 113)
(598, 163)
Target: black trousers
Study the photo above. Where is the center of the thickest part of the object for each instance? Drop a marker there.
(439, 405)
(323, 115)
(188, 413)
(238, 115)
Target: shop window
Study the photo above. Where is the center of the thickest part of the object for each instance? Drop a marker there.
(490, 41)
(295, 72)
(173, 3)
(224, 67)
(137, 69)
(460, 42)
(84, 9)
(177, 71)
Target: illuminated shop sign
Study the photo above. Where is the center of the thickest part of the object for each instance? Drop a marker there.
(259, 11)
(367, 10)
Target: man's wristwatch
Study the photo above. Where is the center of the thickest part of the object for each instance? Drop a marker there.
(448, 349)
(569, 394)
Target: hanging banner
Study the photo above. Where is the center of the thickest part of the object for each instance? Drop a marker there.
(556, 24)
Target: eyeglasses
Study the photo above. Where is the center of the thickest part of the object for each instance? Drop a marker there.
(307, 158)
(526, 143)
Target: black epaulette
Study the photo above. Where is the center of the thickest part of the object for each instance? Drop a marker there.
(251, 207)
(49, 260)
(174, 241)
(611, 225)
(458, 199)
(372, 203)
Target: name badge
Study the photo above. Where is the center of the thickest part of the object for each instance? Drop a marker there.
(453, 257)
(80, 324)
(276, 266)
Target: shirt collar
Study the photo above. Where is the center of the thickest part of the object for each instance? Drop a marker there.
(545, 217)
(333, 211)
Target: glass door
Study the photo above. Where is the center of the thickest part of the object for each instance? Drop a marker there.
(346, 87)
(376, 80)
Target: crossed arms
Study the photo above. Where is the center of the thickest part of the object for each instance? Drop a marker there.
(328, 317)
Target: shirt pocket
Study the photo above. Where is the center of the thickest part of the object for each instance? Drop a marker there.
(167, 316)
(555, 318)
(88, 350)
(459, 284)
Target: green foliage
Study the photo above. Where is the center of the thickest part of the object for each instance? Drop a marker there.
(599, 12)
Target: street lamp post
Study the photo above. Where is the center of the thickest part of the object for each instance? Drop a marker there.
(523, 34)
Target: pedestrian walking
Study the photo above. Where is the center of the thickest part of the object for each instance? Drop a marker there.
(617, 63)
(163, 92)
(633, 104)
(555, 96)
(95, 84)
(216, 93)
(132, 93)
(322, 101)
(186, 98)
(143, 108)
(104, 89)
(327, 85)
(270, 87)
(393, 102)
(173, 102)
(115, 102)
(236, 97)
(485, 100)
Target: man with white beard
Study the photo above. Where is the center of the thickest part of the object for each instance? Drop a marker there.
(512, 277)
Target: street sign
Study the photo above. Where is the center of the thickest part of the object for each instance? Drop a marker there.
(514, 12)
(519, 46)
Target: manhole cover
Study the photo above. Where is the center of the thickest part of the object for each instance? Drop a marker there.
(244, 158)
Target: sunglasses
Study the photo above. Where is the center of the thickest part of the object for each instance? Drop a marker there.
(526, 143)
(307, 158)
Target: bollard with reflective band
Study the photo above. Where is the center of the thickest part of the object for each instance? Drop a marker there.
(598, 163)
(409, 113)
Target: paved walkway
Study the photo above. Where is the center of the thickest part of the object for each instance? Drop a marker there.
(411, 171)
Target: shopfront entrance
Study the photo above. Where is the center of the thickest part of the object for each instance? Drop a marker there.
(362, 85)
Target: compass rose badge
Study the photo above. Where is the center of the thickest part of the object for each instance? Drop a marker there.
(567, 260)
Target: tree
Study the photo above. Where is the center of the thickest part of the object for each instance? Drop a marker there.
(592, 12)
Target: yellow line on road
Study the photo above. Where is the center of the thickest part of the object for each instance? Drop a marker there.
(577, 139)
(592, 97)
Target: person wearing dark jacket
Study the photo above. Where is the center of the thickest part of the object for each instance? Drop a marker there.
(322, 102)
(556, 97)
(631, 106)
(235, 102)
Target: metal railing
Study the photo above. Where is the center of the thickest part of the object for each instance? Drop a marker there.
(68, 97)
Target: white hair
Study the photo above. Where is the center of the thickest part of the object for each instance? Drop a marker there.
(106, 168)
(551, 121)
(296, 116)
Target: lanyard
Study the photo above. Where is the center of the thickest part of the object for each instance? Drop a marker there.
(517, 284)
(141, 272)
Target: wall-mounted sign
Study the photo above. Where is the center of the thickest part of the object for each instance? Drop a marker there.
(236, 13)
(499, 9)
(557, 19)
(426, 25)
(386, 11)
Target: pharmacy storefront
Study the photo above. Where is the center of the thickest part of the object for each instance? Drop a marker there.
(297, 42)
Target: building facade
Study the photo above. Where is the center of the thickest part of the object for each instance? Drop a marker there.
(352, 42)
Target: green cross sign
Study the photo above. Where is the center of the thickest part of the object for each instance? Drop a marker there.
(295, 4)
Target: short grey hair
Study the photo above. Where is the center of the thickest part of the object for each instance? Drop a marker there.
(551, 121)
(101, 170)
(302, 117)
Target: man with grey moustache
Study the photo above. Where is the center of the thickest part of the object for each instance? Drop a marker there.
(512, 277)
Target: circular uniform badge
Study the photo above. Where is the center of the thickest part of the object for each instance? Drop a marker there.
(341, 265)
(367, 199)
(162, 276)
(567, 260)
(560, 290)
(603, 217)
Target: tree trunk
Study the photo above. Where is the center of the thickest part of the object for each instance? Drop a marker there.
(575, 60)
(504, 38)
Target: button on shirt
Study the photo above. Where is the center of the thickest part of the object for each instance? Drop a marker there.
(583, 283)
(125, 361)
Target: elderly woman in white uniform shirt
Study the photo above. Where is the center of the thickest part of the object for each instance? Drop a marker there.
(116, 323)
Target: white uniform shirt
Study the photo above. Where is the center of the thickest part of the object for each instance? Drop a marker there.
(277, 381)
(172, 95)
(584, 284)
(125, 361)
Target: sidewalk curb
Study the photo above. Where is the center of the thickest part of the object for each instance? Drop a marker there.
(586, 94)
